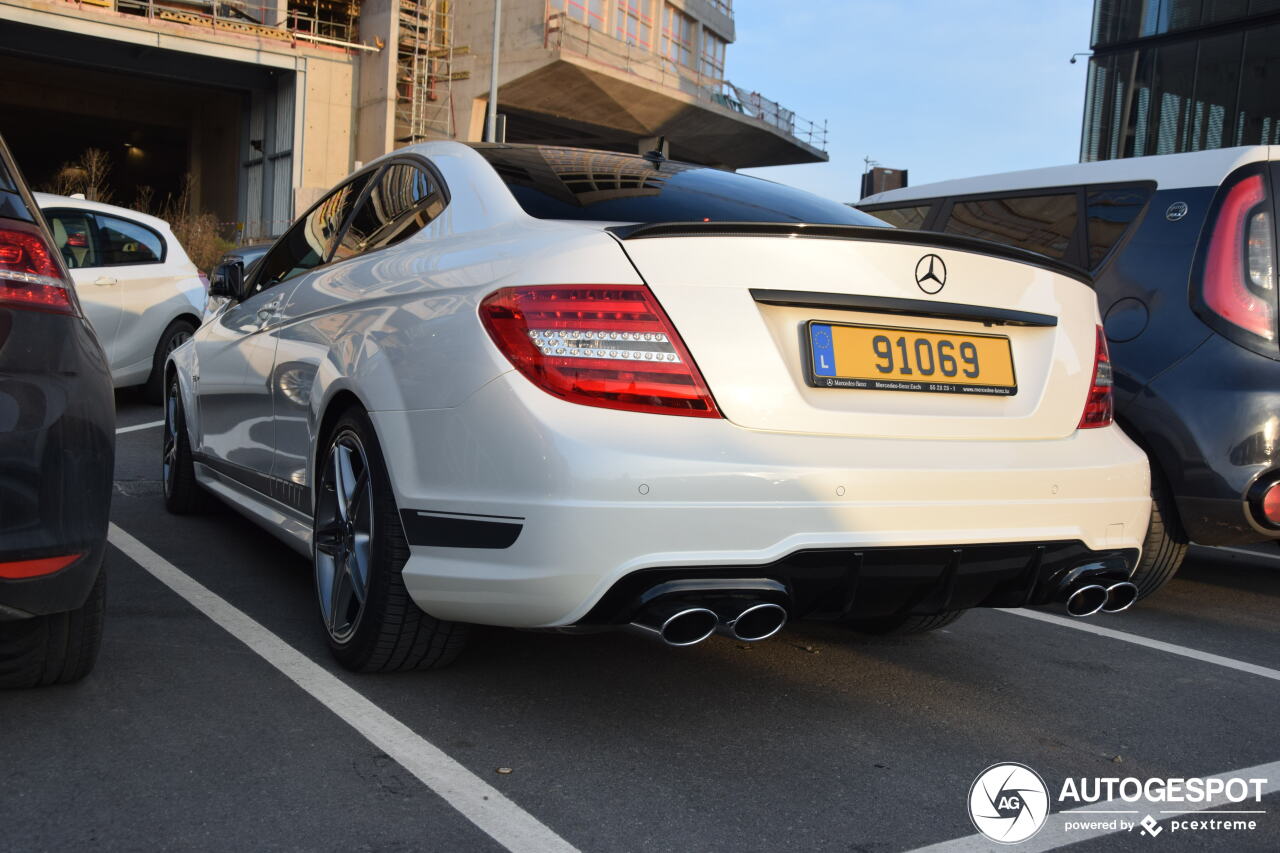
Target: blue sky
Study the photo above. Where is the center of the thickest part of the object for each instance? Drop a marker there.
(943, 88)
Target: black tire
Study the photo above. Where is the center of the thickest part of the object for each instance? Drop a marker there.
(55, 649)
(1165, 546)
(173, 336)
(182, 494)
(900, 625)
(389, 632)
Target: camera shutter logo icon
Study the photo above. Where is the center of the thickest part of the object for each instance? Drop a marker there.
(1008, 803)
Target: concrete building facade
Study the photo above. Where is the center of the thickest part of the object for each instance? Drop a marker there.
(268, 103)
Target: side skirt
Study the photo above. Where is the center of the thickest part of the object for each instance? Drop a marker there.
(284, 522)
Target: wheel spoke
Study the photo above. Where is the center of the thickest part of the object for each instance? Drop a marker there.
(342, 479)
(327, 538)
(342, 594)
(325, 568)
(359, 562)
(359, 496)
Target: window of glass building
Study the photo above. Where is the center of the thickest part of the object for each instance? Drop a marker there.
(635, 22)
(1041, 224)
(713, 49)
(1258, 113)
(1117, 21)
(679, 37)
(1217, 84)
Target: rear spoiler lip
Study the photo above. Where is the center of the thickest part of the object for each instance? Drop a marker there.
(869, 233)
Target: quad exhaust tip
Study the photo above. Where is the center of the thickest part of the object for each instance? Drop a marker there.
(1089, 599)
(684, 626)
(1120, 596)
(1086, 600)
(755, 623)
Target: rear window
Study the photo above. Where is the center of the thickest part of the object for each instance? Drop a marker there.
(125, 243)
(903, 217)
(572, 183)
(1109, 213)
(1043, 223)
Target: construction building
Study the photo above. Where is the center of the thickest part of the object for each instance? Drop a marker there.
(268, 103)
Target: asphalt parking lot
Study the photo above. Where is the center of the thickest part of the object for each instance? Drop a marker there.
(188, 736)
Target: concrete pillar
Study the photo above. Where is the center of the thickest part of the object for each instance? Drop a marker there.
(376, 84)
(275, 13)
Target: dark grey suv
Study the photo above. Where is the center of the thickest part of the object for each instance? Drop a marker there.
(1182, 249)
(57, 444)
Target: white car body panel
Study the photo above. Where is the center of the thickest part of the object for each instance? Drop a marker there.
(130, 305)
(1169, 171)
(747, 351)
(602, 493)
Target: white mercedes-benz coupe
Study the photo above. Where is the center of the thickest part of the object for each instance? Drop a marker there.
(553, 388)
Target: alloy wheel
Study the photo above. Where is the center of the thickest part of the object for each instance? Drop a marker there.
(344, 536)
(169, 454)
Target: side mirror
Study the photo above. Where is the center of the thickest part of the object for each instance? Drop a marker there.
(227, 280)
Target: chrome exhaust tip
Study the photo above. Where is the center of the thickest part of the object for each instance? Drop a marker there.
(1120, 597)
(1086, 600)
(755, 623)
(684, 626)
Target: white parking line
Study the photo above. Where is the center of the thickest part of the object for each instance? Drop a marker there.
(1194, 654)
(136, 427)
(1055, 834)
(483, 805)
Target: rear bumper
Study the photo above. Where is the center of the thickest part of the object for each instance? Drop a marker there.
(524, 510)
(1212, 423)
(865, 583)
(57, 423)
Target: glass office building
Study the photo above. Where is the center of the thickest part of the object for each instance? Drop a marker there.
(1181, 75)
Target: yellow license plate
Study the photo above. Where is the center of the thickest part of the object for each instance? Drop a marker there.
(893, 359)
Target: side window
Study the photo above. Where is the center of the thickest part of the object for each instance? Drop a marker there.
(307, 243)
(401, 203)
(1110, 212)
(73, 235)
(1043, 223)
(903, 217)
(121, 242)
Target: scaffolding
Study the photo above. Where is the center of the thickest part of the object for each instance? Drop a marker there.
(425, 71)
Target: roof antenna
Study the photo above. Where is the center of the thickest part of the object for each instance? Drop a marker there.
(655, 155)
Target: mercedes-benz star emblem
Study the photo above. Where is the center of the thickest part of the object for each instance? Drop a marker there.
(931, 273)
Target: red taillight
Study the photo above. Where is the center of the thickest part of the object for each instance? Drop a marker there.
(1098, 407)
(608, 345)
(30, 277)
(20, 569)
(1271, 504)
(1239, 268)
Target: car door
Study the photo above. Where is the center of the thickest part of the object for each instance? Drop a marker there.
(324, 314)
(235, 350)
(74, 235)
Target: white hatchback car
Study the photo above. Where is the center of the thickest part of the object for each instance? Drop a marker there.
(562, 389)
(140, 291)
